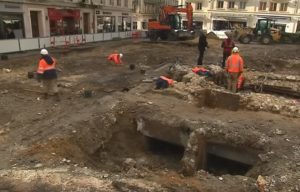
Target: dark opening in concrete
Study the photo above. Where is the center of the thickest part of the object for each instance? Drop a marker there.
(169, 154)
(221, 166)
(225, 159)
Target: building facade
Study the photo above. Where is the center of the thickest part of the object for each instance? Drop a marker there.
(43, 18)
(214, 15)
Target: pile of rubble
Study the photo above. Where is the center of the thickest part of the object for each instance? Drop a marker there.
(287, 81)
(271, 103)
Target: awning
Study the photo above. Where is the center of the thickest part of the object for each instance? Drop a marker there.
(59, 14)
(54, 14)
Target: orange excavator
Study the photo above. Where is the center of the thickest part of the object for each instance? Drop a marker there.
(169, 26)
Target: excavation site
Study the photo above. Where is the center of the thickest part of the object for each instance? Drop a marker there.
(114, 130)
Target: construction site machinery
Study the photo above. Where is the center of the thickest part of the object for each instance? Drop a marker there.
(169, 26)
(264, 32)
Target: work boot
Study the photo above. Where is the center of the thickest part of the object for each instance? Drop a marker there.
(57, 97)
(45, 95)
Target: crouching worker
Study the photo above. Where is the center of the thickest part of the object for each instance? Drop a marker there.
(115, 58)
(164, 82)
(47, 73)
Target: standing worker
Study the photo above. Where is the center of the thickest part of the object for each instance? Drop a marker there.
(234, 67)
(227, 46)
(47, 72)
(116, 58)
(202, 45)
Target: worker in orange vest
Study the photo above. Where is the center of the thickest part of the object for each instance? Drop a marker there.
(47, 73)
(116, 58)
(227, 46)
(164, 82)
(234, 67)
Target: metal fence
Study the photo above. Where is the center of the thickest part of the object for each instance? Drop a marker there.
(18, 45)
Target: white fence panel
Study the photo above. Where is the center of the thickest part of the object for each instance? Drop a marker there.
(75, 39)
(29, 44)
(45, 42)
(98, 37)
(60, 40)
(107, 36)
(143, 34)
(122, 35)
(89, 38)
(128, 34)
(7, 46)
(115, 35)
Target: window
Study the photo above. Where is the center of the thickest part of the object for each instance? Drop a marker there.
(124, 23)
(242, 5)
(262, 6)
(144, 25)
(231, 5)
(283, 6)
(111, 2)
(11, 26)
(106, 24)
(220, 4)
(134, 25)
(126, 3)
(273, 6)
(101, 2)
(118, 2)
(199, 6)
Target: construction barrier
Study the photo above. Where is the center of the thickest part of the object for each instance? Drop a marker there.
(26, 44)
(136, 35)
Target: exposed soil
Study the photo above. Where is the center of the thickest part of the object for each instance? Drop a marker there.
(92, 144)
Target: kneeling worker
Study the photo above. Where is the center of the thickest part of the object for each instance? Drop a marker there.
(115, 58)
(164, 82)
(48, 74)
(234, 67)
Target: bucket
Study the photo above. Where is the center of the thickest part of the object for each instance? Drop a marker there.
(131, 66)
(87, 93)
(31, 75)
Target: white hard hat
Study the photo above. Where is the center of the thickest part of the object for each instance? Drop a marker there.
(121, 55)
(235, 50)
(44, 52)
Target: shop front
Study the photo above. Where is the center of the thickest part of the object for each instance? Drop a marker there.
(11, 21)
(124, 22)
(106, 22)
(64, 21)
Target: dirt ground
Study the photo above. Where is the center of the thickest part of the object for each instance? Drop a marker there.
(92, 144)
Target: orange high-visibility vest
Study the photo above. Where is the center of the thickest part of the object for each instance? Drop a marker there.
(235, 63)
(44, 66)
(115, 57)
(170, 81)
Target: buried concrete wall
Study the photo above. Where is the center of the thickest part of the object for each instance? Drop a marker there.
(218, 99)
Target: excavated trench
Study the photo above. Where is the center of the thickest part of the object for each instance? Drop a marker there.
(155, 151)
